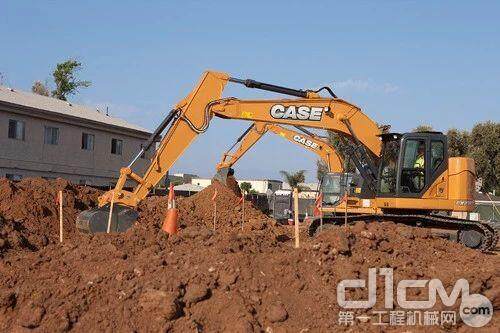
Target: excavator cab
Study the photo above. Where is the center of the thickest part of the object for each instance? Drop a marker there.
(333, 186)
(411, 163)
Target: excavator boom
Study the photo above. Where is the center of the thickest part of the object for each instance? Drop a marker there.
(192, 116)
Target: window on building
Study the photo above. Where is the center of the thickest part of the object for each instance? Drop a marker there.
(16, 129)
(51, 135)
(13, 177)
(87, 141)
(116, 146)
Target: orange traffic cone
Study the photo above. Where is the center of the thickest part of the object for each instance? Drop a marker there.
(171, 220)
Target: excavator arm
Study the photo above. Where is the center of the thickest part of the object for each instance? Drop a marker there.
(192, 116)
(248, 139)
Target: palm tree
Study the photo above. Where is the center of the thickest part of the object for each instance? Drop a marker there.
(294, 178)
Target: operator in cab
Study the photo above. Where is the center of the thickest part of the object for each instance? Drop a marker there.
(420, 159)
(419, 180)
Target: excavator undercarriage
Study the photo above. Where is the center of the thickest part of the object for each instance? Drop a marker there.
(478, 235)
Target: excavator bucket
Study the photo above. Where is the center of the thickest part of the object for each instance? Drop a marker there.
(222, 174)
(96, 220)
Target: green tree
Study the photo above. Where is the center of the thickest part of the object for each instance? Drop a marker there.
(423, 128)
(294, 178)
(40, 88)
(66, 80)
(246, 187)
(334, 140)
(321, 169)
(484, 148)
(458, 142)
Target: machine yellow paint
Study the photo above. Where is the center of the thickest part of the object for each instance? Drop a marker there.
(448, 193)
(324, 150)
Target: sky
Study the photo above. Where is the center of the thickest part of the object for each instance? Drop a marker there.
(404, 63)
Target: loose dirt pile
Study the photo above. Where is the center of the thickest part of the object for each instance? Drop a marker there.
(31, 208)
(198, 210)
(201, 280)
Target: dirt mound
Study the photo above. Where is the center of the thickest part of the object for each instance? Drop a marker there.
(215, 282)
(411, 252)
(32, 208)
(201, 280)
(233, 185)
(198, 210)
(13, 236)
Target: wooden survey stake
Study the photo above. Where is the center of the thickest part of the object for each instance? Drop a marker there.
(215, 206)
(60, 216)
(296, 213)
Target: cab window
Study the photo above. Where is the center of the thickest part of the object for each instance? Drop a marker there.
(389, 166)
(330, 184)
(413, 168)
(330, 187)
(437, 154)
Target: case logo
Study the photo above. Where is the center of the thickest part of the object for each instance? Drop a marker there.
(306, 142)
(314, 113)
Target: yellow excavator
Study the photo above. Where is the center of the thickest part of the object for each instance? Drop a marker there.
(254, 133)
(349, 182)
(409, 177)
(339, 182)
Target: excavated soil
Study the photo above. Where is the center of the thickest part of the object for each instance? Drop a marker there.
(198, 210)
(30, 209)
(238, 277)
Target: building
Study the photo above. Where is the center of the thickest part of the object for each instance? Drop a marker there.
(309, 190)
(263, 185)
(46, 137)
(259, 185)
(178, 178)
(187, 190)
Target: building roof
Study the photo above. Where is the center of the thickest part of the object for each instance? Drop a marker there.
(244, 180)
(49, 104)
(310, 186)
(188, 188)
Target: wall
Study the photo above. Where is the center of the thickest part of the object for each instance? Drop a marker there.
(203, 182)
(261, 186)
(32, 157)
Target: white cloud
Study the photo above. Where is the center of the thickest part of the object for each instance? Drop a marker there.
(390, 88)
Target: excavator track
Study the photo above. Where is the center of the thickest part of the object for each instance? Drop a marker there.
(478, 235)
